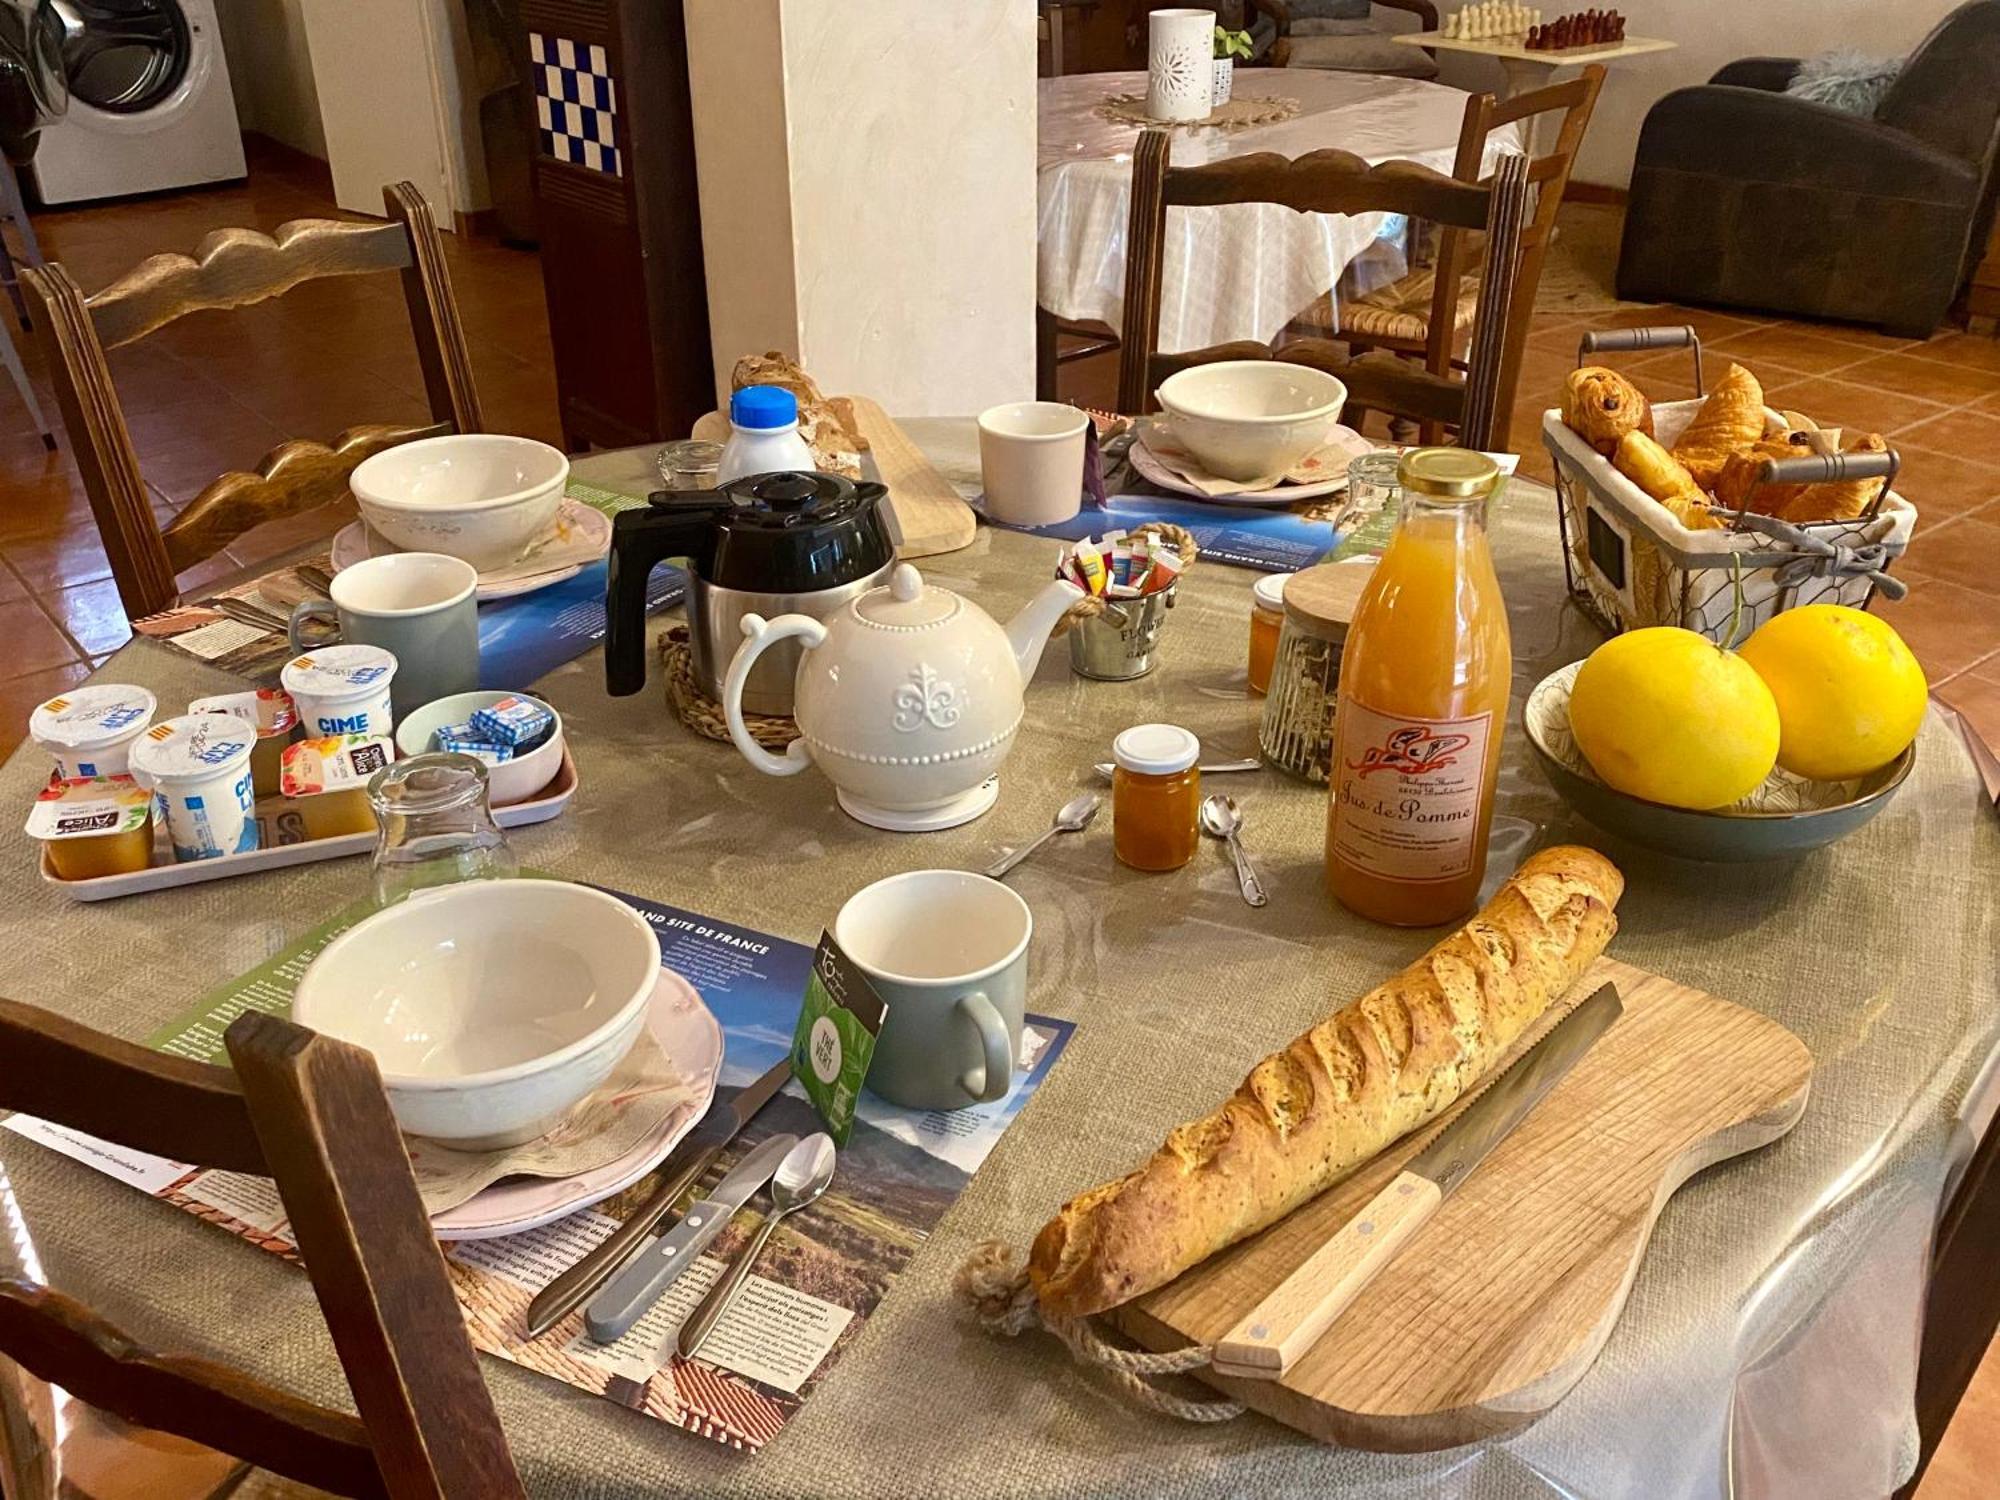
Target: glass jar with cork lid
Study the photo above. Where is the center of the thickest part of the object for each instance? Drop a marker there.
(1296, 732)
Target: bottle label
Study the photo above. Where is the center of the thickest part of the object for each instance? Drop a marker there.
(1409, 792)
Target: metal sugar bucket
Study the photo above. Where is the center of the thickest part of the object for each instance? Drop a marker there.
(1119, 643)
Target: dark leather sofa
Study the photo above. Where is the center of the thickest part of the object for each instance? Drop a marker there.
(1745, 196)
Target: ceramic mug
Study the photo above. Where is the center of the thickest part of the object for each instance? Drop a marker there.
(1031, 461)
(947, 950)
(418, 606)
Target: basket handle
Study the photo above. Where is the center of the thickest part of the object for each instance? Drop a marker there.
(1822, 468)
(1629, 340)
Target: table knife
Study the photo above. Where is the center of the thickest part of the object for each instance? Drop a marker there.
(627, 1296)
(1272, 1336)
(717, 1129)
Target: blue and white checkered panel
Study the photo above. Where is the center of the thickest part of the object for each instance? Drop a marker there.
(576, 103)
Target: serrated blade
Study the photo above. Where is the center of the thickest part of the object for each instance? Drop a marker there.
(1509, 1099)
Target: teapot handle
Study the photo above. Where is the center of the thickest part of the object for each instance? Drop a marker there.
(760, 635)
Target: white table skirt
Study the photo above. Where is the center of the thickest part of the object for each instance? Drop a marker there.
(1243, 270)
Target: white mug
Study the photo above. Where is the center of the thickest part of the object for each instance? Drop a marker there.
(947, 950)
(1031, 461)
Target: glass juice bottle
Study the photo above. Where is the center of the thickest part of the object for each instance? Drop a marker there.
(1422, 705)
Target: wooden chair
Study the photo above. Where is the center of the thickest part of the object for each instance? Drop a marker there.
(233, 268)
(308, 1111)
(1334, 182)
(1399, 317)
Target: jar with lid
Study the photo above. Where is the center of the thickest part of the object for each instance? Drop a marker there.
(1267, 616)
(435, 826)
(1155, 796)
(1296, 732)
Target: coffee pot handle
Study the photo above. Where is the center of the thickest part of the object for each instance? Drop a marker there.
(642, 537)
(993, 1077)
(760, 635)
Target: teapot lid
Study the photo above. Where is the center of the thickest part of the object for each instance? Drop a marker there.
(906, 602)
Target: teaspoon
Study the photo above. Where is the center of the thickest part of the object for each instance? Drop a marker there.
(1072, 817)
(1221, 817)
(802, 1176)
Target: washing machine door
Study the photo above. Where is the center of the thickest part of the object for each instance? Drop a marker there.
(124, 57)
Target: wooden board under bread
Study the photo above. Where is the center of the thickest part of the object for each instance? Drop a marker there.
(1497, 1306)
(926, 515)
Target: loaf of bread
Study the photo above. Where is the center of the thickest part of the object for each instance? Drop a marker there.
(1306, 1116)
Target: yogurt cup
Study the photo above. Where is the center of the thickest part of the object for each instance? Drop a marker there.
(90, 730)
(342, 690)
(198, 768)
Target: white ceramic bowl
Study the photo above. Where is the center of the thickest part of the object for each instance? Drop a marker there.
(491, 1007)
(481, 496)
(513, 780)
(1245, 418)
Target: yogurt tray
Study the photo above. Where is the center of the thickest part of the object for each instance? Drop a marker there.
(544, 805)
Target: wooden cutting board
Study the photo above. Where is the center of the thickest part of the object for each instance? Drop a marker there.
(1497, 1306)
(926, 515)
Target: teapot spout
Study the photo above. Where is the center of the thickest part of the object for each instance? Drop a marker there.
(1028, 631)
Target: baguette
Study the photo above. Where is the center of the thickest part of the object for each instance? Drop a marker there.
(1371, 1072)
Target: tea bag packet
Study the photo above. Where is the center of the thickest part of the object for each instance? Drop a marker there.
(835, 1040)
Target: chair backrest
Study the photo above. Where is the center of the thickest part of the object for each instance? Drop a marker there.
(1948, 93)
(309, 1112)
(1335, 182)
(234, 268)
(1548, 181)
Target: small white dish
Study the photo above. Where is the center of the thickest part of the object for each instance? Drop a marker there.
(491, 1007)
(579, 535)
(1246, 417)
(687, 1031)
(481, 496)
(1154, 470)
(511, 781)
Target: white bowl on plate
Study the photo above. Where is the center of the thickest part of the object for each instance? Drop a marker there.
(1245, 418)
(491, 1007)
(481, 496)
(511, 781)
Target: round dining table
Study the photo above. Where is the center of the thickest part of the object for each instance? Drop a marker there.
(1240, 270)
(1769, 1343)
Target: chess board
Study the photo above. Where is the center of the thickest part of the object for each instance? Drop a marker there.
(576, 103)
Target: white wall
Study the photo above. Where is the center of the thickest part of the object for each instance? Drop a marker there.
(867, 180)
(1711, 33)
(271, 72)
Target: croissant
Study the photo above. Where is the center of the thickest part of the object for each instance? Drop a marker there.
(1736, 485)
(1601, 406)
(1661, 475)
(1840, 499)
(1731, 418)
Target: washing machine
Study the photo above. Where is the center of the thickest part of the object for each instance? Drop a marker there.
(149, 104)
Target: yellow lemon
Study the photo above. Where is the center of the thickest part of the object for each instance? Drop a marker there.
(1667, 715)
(1850, 695)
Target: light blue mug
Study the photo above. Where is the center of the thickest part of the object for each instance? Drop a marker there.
(947, 950)
(422, 607)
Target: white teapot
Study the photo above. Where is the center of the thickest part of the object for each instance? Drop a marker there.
(908, 698)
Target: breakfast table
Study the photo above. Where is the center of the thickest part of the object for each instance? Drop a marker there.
(1770, 1340)
(1238, 271)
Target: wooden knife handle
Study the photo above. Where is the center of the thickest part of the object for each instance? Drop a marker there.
(1290, 1319)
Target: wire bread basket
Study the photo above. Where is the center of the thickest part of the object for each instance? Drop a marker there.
(1630, 563)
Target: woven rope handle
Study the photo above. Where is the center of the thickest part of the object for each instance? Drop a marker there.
(1092, 605)
(994, 1284)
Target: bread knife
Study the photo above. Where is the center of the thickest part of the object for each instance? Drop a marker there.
(1273, 1335)
(571, 1289)
(632, 1291)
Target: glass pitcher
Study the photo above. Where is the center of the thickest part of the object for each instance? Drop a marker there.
(434, 826)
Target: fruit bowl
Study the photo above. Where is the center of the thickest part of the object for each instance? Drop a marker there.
(1787, 815)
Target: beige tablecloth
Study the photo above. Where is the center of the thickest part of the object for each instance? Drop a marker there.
(1771, 1327)
(1243, 270)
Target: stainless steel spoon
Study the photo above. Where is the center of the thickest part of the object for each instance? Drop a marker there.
(1072, 817)
(802, 1176)
(1104, 768)
(1221, 817)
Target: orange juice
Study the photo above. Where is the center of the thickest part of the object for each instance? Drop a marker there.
(1422, 705)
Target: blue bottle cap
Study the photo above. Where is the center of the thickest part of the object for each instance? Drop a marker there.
(763, 406)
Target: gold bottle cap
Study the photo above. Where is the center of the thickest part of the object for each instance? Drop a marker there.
(1449, 473)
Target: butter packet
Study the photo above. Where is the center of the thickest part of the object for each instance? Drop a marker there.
(835, 1039)
(335, 763)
